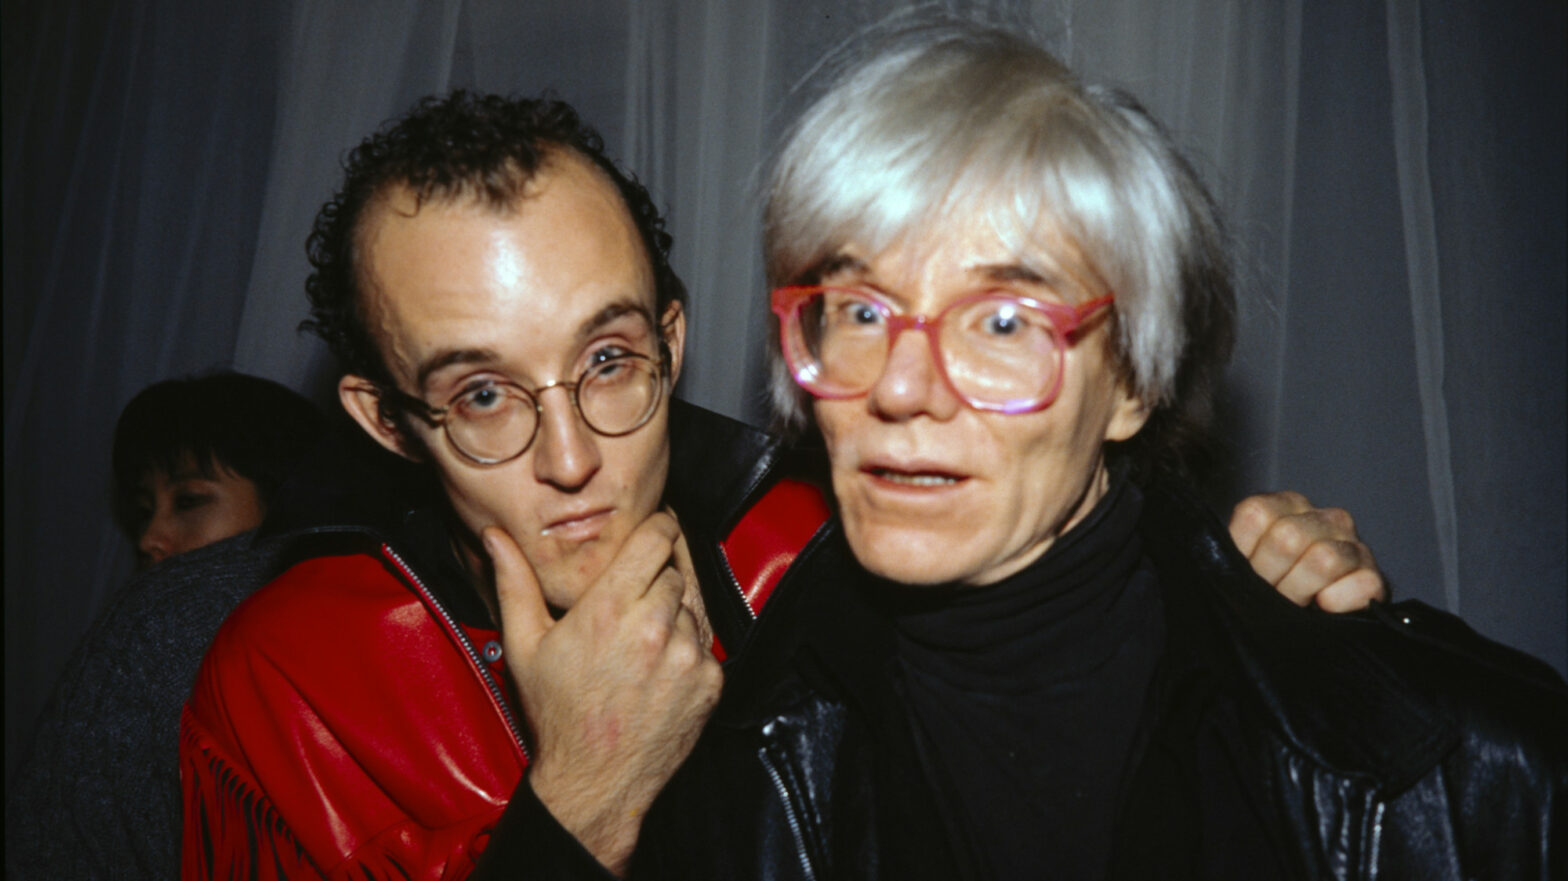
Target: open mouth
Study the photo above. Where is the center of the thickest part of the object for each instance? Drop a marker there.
(915, 478)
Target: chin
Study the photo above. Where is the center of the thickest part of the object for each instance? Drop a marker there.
(915, 558)
(566, 577)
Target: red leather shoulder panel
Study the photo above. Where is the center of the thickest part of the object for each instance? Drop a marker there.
(336, 696)
(769, 536)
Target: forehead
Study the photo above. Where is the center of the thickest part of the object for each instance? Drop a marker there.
(459, 275)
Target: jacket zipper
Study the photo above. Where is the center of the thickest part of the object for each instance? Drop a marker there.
(789, 813)
(496, 693)
(729, 575)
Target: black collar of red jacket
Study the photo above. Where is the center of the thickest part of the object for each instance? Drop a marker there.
(349, 490)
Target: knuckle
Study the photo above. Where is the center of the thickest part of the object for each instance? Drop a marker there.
(1253, 513)
(651, 633)
(1292, 501)
(1337, 600)
(671, 578)
(1370, 582)
(1290, 535)
(1330, 557)
(1350, 594)
(1340, 520)
(684, 654)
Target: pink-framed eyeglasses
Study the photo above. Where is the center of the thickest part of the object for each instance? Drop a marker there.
(997, 351)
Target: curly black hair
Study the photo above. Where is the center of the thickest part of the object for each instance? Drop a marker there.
(487, 147)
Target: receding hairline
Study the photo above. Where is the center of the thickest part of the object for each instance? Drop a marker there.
(553, 157)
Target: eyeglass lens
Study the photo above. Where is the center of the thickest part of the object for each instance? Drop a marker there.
(497, 422)
(995, 350)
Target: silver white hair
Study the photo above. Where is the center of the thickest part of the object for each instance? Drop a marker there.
(958, 120)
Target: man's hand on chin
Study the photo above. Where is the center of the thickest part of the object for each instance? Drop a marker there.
(616, 691)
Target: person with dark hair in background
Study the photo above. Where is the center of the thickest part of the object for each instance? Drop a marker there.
(499, 297)
(197, 462)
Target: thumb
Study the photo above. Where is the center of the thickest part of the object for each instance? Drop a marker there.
(524, 617)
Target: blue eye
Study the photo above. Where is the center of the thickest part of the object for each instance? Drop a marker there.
(482, 401)
(1003, 322)
(607, 353)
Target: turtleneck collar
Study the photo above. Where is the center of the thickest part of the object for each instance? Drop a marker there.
(1057, 620)
(1026, 697)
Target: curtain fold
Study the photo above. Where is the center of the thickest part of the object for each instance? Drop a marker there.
(1406, 69)
(343, 73)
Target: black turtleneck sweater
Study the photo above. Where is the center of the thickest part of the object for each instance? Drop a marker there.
(1031, 692)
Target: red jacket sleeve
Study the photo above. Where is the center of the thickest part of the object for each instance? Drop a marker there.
(336, 729)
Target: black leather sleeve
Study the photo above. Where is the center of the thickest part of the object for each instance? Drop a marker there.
(528, 842)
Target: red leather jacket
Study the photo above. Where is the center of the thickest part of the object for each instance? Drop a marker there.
(341, 721)
(346, 724)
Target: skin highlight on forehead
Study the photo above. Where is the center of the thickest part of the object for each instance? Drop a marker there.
(400, 199)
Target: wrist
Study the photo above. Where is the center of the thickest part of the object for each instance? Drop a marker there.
(602, 822)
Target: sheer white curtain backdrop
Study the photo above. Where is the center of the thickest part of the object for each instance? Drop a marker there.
(1393, 172)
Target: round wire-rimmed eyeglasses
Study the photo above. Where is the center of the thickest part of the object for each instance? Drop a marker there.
(997, 351)
(496, 420)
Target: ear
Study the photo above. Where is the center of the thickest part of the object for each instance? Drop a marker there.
(673, 327)
(363, 402)
(1128, 417)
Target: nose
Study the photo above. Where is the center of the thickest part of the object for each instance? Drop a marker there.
(157, 541)
(566, 453)
(911, 384)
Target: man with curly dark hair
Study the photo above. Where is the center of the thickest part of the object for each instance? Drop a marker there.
(512, 672)
(500, 297)
(483, 147)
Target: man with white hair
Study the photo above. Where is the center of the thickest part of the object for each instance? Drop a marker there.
(1020, 648)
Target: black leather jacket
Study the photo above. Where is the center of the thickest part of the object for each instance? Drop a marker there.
(1392, 743)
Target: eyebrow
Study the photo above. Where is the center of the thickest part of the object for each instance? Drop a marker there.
(610, 313)
(448, 357)
(991, 272)
(588, 328)
(1004, 272)
(834, 265)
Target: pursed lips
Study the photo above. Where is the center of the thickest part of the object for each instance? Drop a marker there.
(578, 526)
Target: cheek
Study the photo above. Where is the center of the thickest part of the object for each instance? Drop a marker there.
(638, 464)
(836, 420)
(482, 498)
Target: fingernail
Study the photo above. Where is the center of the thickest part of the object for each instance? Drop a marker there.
(489, 543)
